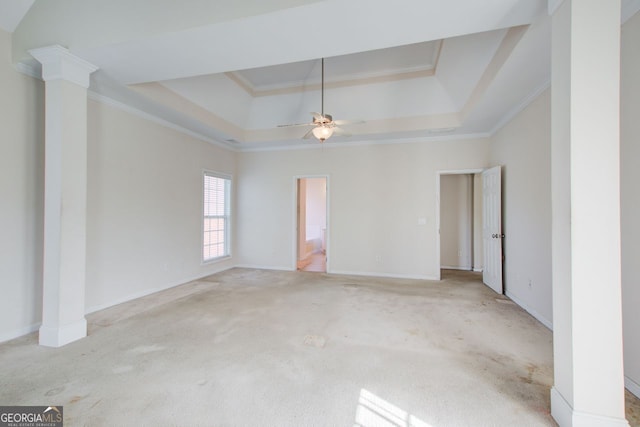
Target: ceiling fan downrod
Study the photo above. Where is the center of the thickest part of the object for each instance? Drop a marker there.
(322, 92)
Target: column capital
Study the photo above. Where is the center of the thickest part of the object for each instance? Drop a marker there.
(60, 64)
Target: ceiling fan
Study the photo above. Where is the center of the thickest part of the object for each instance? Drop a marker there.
(323, 125)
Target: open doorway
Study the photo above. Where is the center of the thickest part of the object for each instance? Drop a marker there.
(460, 221)
(311, 254)
(469, 224)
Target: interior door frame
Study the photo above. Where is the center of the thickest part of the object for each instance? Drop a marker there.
(437, 221)
(295, 219)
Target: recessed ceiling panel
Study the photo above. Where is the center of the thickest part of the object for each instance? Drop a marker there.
(374, 63)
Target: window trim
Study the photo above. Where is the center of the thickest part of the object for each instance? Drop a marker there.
(228, 216)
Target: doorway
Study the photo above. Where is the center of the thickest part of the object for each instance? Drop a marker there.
(456, 222)
(311, 228)
(459, 222)
(479, 220)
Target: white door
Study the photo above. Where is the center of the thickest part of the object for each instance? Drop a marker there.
(492, 228)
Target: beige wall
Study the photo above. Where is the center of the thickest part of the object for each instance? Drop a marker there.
(144, 206)
(144, 203)
(630, 199)
(523, 148)
(21, 197)
(376, 196)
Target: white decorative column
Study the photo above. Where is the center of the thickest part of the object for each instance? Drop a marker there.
(587, 316)
(65, 201)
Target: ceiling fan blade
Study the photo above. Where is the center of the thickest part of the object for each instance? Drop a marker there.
(296, 125)
(317, 116)
(308, 135)
(340, 132)
(347, 122)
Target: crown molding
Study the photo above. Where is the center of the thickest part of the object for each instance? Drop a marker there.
(346, 144)
(31, 70)
(153, 118)
(512, 113)
(347, 81)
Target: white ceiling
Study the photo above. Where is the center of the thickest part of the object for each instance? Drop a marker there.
(12, 12)
(229, 70)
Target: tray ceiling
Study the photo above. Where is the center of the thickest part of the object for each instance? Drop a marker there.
(230, 72)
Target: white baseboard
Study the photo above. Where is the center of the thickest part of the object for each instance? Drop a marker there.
(531, 311)
(478, 270)
(377, 274)
(449, 267)
(61, 335)
(561, 411)
(262, 267)
(7, 336)
(632, 386)
(129, 297)
(136, 295)
(565, 415)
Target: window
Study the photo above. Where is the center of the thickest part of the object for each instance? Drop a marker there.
(215, 241)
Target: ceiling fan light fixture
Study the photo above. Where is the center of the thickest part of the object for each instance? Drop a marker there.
(322, 133)
(323, 124)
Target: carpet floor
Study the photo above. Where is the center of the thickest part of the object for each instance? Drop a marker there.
(267, 348)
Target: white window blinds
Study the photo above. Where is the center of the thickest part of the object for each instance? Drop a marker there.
(215, 242)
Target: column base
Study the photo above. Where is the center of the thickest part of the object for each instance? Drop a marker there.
(566, 416)
(61, 335)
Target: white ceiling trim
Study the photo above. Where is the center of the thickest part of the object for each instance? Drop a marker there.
(432, 124)
(297, 87)
(304, 145)
(314, 145)
(511, 114)
(95, 96)
(360, 77)
(508, 44)
(32, 70)
(169, 98)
